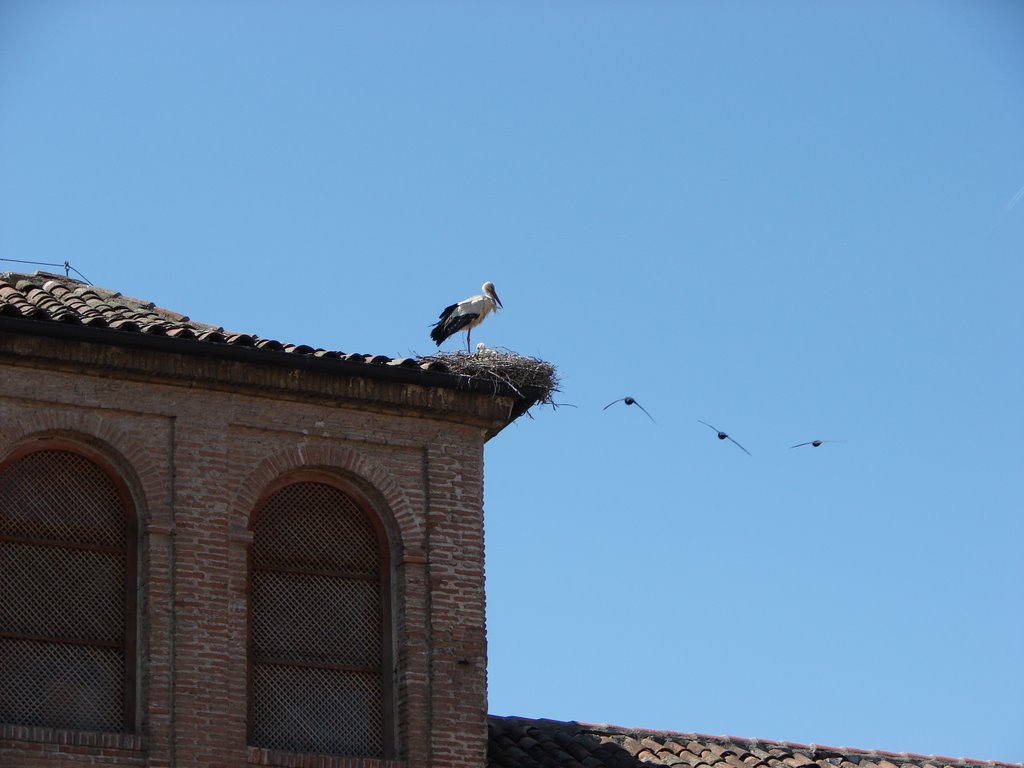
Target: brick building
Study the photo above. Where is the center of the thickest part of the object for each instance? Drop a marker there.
(218, 550)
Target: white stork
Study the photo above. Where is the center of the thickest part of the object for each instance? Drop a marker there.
(466, 315)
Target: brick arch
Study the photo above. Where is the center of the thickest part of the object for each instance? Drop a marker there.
(378, 495)
(103, 550)
(92, 431)
(373, 478)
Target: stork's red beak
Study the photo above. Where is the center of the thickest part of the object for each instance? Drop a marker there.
(494, 295)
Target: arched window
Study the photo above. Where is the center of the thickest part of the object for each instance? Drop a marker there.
(319, 648)
(67, 573)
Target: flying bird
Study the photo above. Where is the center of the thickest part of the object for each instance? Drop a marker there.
(723, 436)
(815, 443)
(628, 401)
(466, 315)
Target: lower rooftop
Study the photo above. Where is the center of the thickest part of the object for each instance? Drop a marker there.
(516, 742)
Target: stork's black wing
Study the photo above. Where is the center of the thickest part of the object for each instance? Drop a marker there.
(449, 322)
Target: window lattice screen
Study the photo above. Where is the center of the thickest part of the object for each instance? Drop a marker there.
(63, 544)
(316, 625)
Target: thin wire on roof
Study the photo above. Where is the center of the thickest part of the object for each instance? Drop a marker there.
(68, 269)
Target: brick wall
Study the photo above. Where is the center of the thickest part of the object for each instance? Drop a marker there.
(196, 453)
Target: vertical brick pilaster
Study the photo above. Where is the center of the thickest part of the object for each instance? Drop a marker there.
(208, 728)
(457, 631)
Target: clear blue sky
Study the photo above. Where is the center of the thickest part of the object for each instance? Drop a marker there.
(793, 220)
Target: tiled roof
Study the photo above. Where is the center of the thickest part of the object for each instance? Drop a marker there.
(522, 743)
(58, 299)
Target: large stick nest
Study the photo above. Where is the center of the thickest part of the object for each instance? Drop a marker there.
(504, 367)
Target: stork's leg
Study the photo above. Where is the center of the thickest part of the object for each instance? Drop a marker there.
(469, 332)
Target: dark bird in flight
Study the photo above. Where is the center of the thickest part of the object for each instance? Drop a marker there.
(628, 401)
(723, 436)
(815, 443)
(466, 315)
